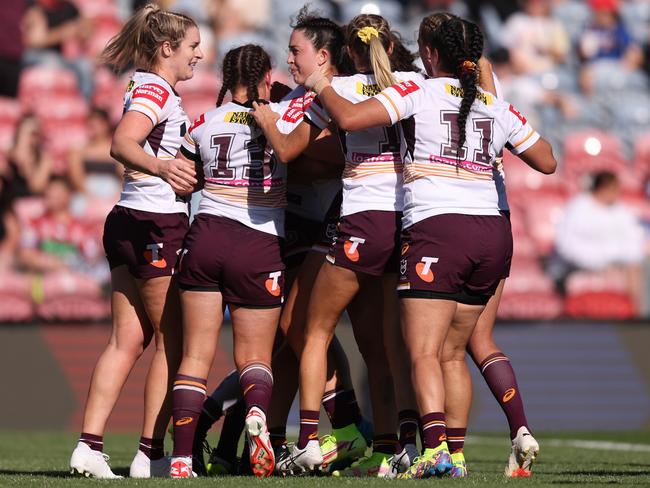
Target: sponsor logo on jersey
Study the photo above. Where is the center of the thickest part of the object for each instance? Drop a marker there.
(273, 284)
(508, 395)
(367, 90)
(151, 255)
(130, 86)
(423, 268)
(406, 87)
(294, 112)
(351, 248)
(518, 114)
(456, 91)
(405, 247)
(153, 92)
(387, 157)
(184, 421)
(243, 118)
(197, 122)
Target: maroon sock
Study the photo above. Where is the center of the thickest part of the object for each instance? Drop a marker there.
(188, 395)
(308, 427)
(152, 448)
(433, 429)
(456, 439)
(278, 435)
(385, 443)
(500, 377)
(256, 382)
(408, 427)
(341, 408)
(95, 442)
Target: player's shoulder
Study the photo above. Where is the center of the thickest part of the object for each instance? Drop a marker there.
(149, 87)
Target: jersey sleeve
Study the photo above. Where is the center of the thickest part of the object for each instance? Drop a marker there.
(521, 135)
(400, 100)
(190, 145)
(153, 100)
(316, 114)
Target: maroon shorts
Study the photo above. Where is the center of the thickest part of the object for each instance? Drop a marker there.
(244, 264)
(300, 235)
(368, 242)
(455, 257)
(147, 242)
(327, 234)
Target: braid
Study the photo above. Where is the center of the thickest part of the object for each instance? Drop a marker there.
(244, 66)
(461, 41)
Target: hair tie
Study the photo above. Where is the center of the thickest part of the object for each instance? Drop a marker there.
(468, 65)
(367, 33)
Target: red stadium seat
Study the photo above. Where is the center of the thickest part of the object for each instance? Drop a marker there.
(196, 105)
(205, 82)
(40, 83)
(600, 295)
(522, 178)
(74, 308)
(542, 211)
(642, 154)
(526, 306)
(16, 304)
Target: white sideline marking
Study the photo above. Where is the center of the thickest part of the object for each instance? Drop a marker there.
(597, 445)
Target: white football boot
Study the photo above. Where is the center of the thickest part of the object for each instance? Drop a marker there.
(181, 467)
(143, 467)
(87, 462)
(301, 461)
(402, 460)
(524, 452)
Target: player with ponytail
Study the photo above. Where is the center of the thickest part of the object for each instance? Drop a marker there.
(143, 234)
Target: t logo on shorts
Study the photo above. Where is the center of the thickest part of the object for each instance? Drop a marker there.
(151, 255)
(423, 268)
(350, 246)
(273, 283)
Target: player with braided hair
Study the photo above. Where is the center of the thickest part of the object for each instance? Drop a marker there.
(232, 256)
(456, 245)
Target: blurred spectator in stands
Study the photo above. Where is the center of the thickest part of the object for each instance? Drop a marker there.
(537, 42)
(606, 41)
(11, 46)
(237, 22)
(596, 232)
(29, 167)
(57, 240)
(9, 230)
(47, 26)
(91, 168)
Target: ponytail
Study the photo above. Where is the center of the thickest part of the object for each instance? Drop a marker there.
(139, 41)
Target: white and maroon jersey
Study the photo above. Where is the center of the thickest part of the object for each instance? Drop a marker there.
(243, 179)
(500, 174)
(442, 179)
(308, 200)
(374, 158)
(152, 96)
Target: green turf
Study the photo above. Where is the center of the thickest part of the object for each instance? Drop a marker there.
(40, 459)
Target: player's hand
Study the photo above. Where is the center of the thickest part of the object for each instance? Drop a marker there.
(279, 91)
(318, 80)
(263, 115)
(179, 173)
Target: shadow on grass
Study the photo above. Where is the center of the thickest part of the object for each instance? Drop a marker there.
(55, 474)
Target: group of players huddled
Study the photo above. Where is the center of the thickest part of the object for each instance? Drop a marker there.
(372, 188)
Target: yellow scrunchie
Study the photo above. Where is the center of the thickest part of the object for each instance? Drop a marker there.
(367, 33)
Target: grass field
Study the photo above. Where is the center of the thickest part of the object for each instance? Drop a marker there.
(579, 459)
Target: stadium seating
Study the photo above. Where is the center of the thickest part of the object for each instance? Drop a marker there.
(599, 295)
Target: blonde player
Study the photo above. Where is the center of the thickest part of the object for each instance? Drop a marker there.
(143, 235)
(455, 244)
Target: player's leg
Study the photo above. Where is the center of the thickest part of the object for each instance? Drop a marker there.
(130, 335)
(425, 324)
(458, 383)
(400, 366)
(500, 377)
(254, 333)
(162, 303)
(366, 315)
(332, 292)
(202, 318)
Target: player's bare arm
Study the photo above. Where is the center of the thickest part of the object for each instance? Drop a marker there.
(126, 147)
